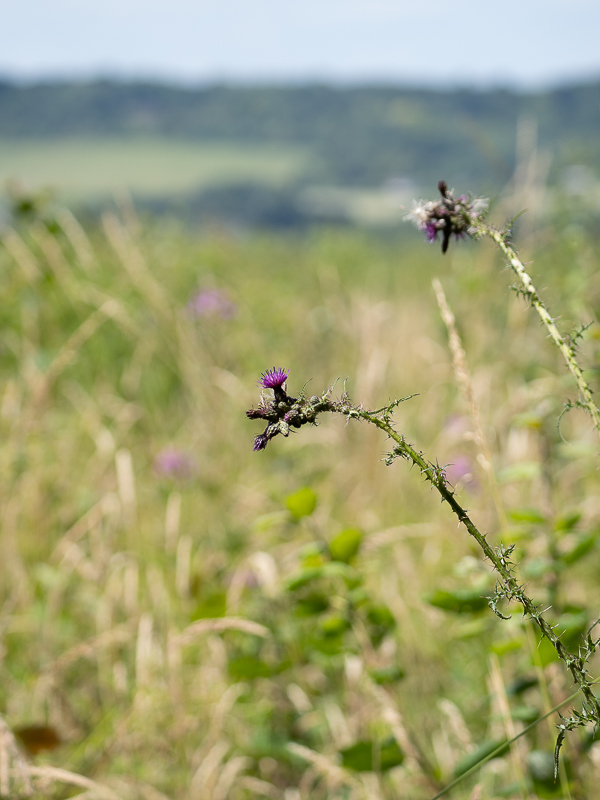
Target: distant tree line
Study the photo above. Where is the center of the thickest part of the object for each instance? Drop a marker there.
(358, 136)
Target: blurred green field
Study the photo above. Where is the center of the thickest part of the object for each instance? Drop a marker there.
(185, 618)
(88, 169)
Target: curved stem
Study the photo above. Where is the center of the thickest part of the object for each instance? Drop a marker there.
(498, 557)
(558, 339)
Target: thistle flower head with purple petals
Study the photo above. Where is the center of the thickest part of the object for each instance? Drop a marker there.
(280, 412)
(273, 378)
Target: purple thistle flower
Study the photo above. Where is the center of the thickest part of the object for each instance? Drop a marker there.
(273, 378)
(260, 442)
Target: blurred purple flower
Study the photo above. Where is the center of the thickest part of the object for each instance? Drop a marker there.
(462, 470)
(431, 232)
(456, 425)
(173, 463)
(211, 302)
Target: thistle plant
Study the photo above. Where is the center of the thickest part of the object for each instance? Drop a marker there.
(283, 414)
(464, 216)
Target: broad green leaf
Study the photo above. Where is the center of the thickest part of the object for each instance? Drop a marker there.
(381, 622)
(504, 646)
(385, 675)
(568, 521)
(213, 605)
(333, 624)
(332, 569)
(461, 601)
(521, 684)
(367, 756)
(582, 547)
(311, 605)
(247, 668)
(301, 503)
(527, 515)
(345, 545)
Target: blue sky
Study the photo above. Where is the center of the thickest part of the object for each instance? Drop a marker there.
(526, 43)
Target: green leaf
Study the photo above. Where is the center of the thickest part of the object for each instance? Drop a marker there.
(465, 764)
(333, 624)
(363, 756)
(385, 675)
(461, 601)
(247, 668)
(332, 569)
(301, 503)
(303, 577)
(311, 605)
(244, 668)
(345, 545)
(213, 605)
(527, 515)
(521, 684)
(568, 521)
(381, 622)
(583, 545)
(504, 646)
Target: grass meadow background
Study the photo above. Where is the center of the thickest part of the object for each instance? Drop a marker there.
(185, 618)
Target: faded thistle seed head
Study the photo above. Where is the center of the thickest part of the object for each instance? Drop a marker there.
(447, 216)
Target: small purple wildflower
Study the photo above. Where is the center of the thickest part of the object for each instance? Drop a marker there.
(173, 463)
(211, 302)
(273, 378)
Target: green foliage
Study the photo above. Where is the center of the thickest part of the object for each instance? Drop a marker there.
(368, 755)
(246, 154)
(461, 601)
(387, 675)
(301, 503)
(345, 545)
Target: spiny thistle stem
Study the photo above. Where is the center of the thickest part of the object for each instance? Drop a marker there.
(464, 216)
(284, 413)
(499, 557)
(531, 292)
